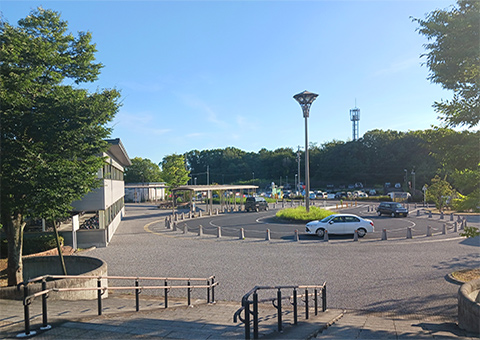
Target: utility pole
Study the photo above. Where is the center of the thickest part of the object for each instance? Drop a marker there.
(208, 175)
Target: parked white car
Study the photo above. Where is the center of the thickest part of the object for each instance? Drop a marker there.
(340, 224)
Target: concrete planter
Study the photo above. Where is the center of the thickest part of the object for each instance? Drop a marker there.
(469, 306)
(50, 265)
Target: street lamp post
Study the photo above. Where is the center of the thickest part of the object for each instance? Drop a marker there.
(305, 99)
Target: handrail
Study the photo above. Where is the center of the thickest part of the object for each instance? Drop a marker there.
(44, 292)
(277, 303)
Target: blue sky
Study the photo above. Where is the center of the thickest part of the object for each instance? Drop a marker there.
(203, 75)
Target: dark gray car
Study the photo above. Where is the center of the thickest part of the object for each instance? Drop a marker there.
(256, 204)
(391, 208)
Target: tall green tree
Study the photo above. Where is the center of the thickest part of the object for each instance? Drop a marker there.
(51, 131)
(440, 192)
(174, 170)
(142, 170)
(454, 60)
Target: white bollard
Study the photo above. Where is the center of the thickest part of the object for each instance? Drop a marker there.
(219, 232)
(295, 237)
(267, 236)
(325, 236)
(199, 213)
(409, 233)
(185, 228)
(241, 234)
(429, 231)
(355, 235)
(444, 229)
(200, 230)
(384, 234)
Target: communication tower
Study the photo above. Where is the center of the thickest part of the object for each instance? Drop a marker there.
(355, 118)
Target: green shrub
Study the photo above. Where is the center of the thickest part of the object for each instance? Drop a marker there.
(300, 214)
(471, 232)
(36, 243)
(33, 243)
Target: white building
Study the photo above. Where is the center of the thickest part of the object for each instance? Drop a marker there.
(143, 192)
(106, 204)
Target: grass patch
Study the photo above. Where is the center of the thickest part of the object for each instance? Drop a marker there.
(466, 275)
(300, 214)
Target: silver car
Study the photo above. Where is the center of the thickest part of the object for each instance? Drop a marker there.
(340, 224)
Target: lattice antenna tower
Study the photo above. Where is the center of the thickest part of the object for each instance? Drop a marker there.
(355, 118)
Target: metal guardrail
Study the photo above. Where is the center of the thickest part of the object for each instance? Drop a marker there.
(28, 298)
(277, 303)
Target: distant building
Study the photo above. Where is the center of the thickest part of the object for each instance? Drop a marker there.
(104, 207)
(145, 192)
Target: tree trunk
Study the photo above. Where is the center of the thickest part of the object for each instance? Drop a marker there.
(14, 230)
(59, 248)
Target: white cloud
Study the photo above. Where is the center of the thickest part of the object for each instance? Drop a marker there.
(142, 87)
(399, 66)
(142, 123)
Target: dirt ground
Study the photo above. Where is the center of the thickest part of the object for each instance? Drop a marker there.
(66, 250)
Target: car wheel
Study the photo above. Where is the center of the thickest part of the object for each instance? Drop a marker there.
(361, 232)
(393, 215)
(320, 232)
(379, 213)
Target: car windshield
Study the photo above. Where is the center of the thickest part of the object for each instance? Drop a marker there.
(328, 218)
(398, 205)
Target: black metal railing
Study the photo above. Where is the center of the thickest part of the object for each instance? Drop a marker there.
(250, 307)
(28, 298)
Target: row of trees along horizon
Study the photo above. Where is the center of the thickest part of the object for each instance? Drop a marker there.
(374, 159)
(53, 129)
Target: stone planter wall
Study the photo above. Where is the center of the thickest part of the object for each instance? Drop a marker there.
(469, 306)
(50, 265)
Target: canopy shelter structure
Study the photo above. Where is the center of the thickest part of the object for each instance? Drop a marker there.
(226, 193)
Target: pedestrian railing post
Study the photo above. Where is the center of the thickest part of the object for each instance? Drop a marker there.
(99, 296)
(306, 304)
(247, 319)
(189, 292)
(316, 301)
(213, 289)
(295, 310)
(165, 291)
(324, 297)
(137, 296)
(255, 315)
(45, 324)
(26, 310)
(279, 310)
(208, 291)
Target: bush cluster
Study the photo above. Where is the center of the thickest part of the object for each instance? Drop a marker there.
(300, 214)
(33, 243)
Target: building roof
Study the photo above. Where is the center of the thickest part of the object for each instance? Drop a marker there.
(214, 187)
(118, 151)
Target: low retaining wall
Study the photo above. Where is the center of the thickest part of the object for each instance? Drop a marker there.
(50, 265)
(469, 306)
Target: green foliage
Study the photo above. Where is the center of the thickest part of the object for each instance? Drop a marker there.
(33, 243)
(142, 170)
(470, 232)
(300, 214)
(174, 171)
(440, 192)
(454, 60)
(52, 130)
(469, 202)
